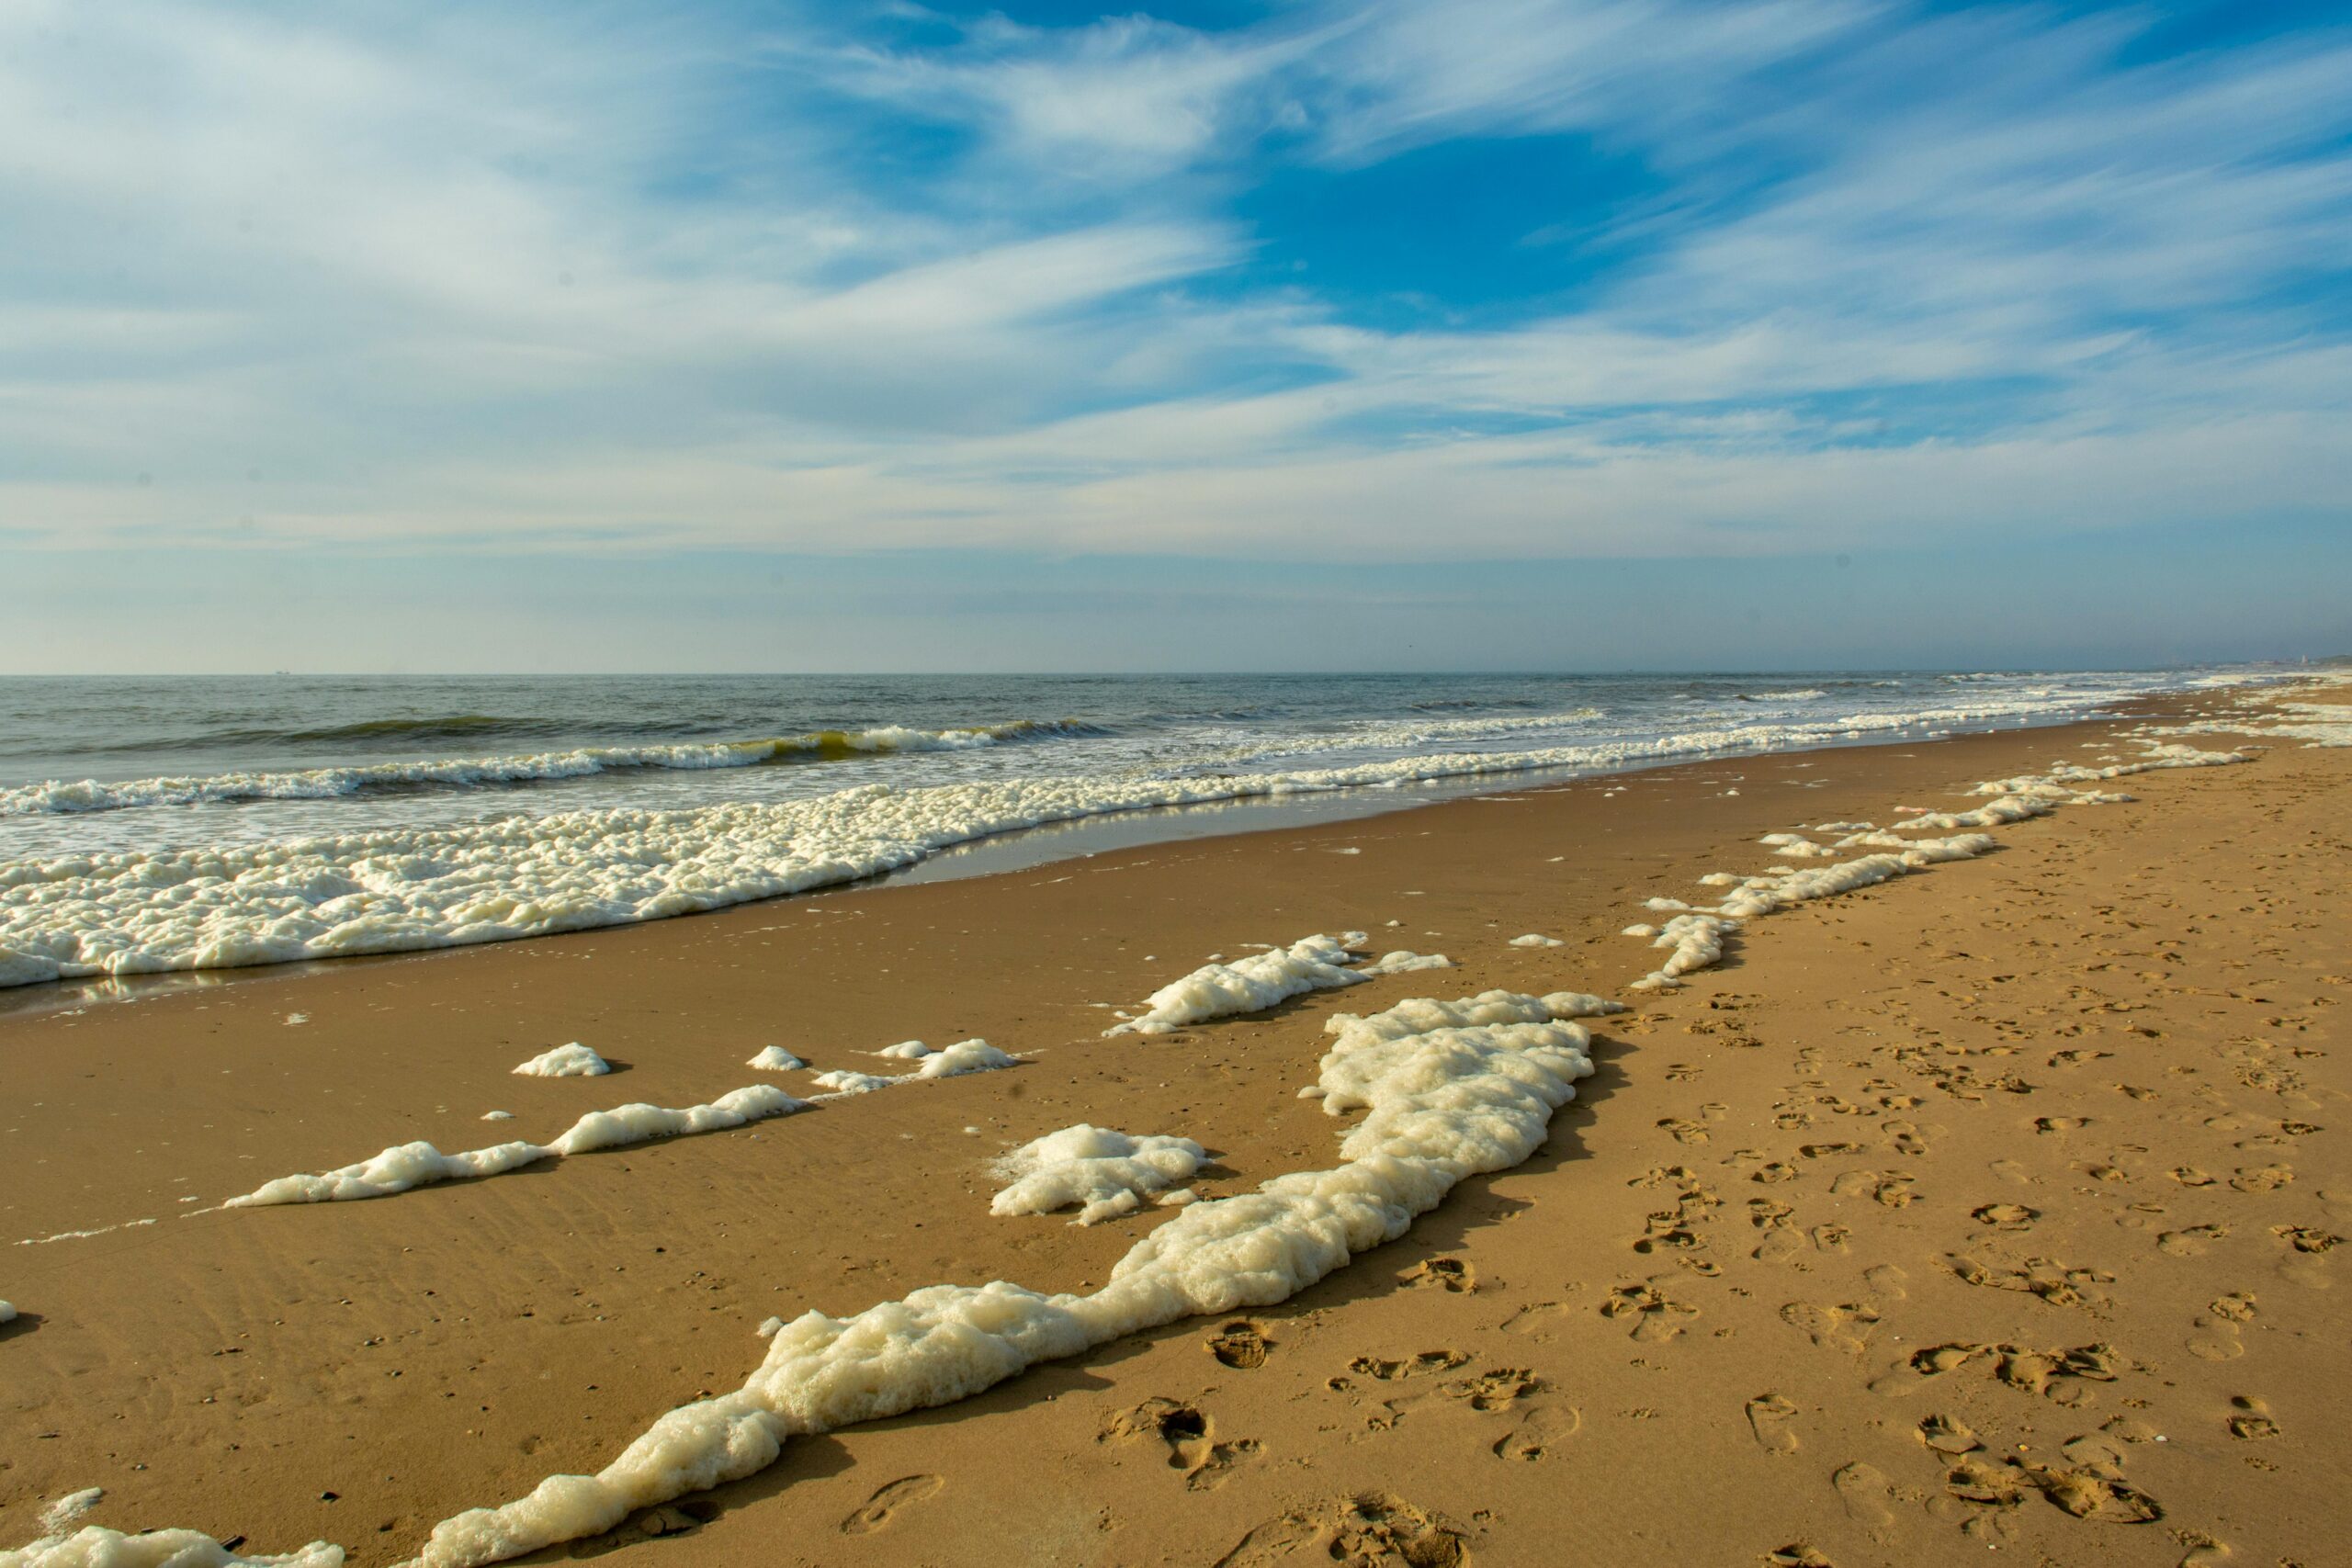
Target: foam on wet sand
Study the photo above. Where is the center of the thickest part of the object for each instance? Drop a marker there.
(1266, 979)
(572, 1061)
(405, 1166)
(1102, 1173)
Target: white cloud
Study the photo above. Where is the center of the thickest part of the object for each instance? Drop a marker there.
(639, 286)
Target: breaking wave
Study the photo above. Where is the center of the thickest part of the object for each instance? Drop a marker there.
(58, 796)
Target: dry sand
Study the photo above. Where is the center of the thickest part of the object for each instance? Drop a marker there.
(1994, 1209)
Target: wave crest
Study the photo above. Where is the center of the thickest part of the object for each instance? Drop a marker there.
(58, 796)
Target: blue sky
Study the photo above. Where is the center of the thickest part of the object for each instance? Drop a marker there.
(1526, 334)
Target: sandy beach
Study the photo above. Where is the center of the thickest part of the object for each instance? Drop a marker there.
(1995, 1208)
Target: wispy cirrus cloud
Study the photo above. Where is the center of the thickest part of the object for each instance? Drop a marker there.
(641, 279)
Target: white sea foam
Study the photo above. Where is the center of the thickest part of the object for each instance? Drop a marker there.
(775, 1059)
(93, 1546)
(842, 1081)
(1442, 1104)
(1535, 939)
(400, 889)
(407, 1165)
(638, 1123)
(66, 1512)
(936, 1062)
(1696, 937)
(1104, 1173)
(1264, 979)
(2059, 783)
(572, 1061)
(964, 1057)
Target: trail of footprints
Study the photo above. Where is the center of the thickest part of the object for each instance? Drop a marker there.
(1860, 1130)
(1900, 1112)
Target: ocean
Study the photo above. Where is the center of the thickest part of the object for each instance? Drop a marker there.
(157, 824)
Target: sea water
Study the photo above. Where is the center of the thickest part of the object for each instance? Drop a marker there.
(161, 824)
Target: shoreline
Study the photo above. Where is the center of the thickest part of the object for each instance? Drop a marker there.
(1077, 837)
(936, 960)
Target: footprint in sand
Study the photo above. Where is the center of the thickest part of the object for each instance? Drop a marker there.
(1769, 1415)
(1541, 1322)
(2060, 1123)
(1847, 1327)
(1446, 1273)
(1949, 1435)
(1371, 1530)
(1654, 1317)
(1539, 1432)
(2250, 1418)
(1392, 1371)
(2190, 1241)
(883, 1505)
(2264, 1179)
(1798, 1554)
(2006, 1216)
(2215, 1335)
(1869, 1498)
(1891, 1188)
(1496, 1389)
(2088, 1495)
(1183, 1429)
(2304, 1238)
(1242, 1343)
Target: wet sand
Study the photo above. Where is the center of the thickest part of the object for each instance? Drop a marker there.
(1993, 1207)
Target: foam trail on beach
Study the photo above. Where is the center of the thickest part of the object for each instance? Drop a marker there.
(1442, 1105)
(404, 1166)
(1696, 937)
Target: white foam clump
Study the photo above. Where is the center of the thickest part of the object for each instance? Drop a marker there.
(1795, 845)
(641, 1123)
(938, 1062)
(1104, 1173)
(572, 1061)
(8, 1313)
(775, 1059)
(1536, 939)
(1471, 1090)
(843, 1081)
(498, 1116)
(93, 1546)
(964, 1057)
(407, 1165)
(1402, 963)
(1694, 941)
(1263, 979)
(401, 889)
